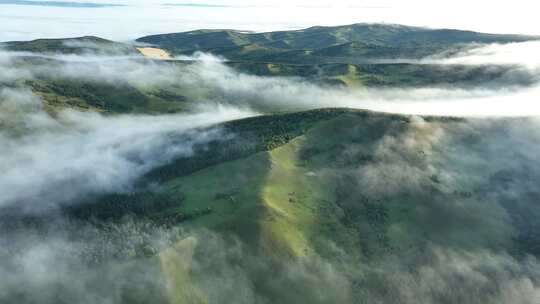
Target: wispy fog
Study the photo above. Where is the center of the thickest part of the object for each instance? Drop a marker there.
(48, 160)
(84, 153)
(464, 191)
(523, 53)
(211, 81)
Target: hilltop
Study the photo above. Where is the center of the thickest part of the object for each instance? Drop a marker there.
(79, 45)
(327, 190)
(342, 44)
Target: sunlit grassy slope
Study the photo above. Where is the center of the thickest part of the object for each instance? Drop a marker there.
(286, 189)
(309, 196)
(343, 190)
(271, 200)
(287, 198)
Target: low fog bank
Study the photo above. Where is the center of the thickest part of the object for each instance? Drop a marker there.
(469, 186)
(467, 183)
(206, 79)
(271, 94)
(516, 53)
(65, 261)
(445, 210)
(505, 97)
(48, 160)
(476, 206)
(521, 53)
(123, 266)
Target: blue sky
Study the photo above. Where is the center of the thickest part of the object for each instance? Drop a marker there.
(129, 19)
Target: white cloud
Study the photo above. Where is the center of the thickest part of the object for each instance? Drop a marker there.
(56, 160)
(210, 81)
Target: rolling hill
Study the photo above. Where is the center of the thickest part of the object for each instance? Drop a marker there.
(342, 44)
(88, 45)
(289, 205)
(131, 83)
(320, 192)
(353, 56)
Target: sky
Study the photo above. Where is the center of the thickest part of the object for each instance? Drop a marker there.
(125, 20)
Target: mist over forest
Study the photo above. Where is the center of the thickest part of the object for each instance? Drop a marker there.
(357, 164)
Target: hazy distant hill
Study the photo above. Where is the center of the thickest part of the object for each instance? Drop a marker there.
(349, 43)
(344, 55)
(78, 45)
(347, 56)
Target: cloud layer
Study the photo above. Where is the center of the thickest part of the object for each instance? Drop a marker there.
(209, 81)
(49, 160)
(464, 175)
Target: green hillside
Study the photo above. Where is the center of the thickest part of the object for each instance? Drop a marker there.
(396, 75)
(307, 198)
(353, 56)
(76, 90)
(298, 173)
(61, 93)
(344, 44)
(83, 94)
(291, 205)
(79, 45)
(322, 192)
